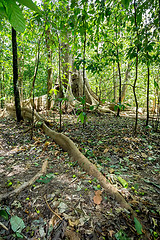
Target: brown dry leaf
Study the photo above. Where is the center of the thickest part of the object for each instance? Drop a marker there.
(97, 198)
(115, 149)
(44, 166)
(56, 153)
(106, 150)
(111, 232)
(73, 223)
(53, 221)
(46, 144)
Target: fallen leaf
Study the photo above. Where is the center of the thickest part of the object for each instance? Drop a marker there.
(111, 232)
(106, 150)
(144, 155)
(46, 144)
(44, 166)
(115, 149)
(53, 221)
(97, 198)
(73, 223)
(56, 153)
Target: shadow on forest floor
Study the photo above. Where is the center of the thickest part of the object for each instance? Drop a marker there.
(107, 142)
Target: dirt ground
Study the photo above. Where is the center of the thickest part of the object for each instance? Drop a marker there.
(131, 163)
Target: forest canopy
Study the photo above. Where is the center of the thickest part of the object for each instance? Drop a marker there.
(114, 44)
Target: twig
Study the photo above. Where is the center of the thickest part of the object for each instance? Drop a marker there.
(2, 225)
(51, 208)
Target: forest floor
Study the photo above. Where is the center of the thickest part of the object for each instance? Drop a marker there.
(130, 163)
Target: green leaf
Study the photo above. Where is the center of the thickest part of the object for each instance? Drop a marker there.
(121, 235)
(4, 214)
(91, 108)
(123, 182)
(15, 16)
(18, 235)
(2, 12)
(17, 224)
(138, 226)
(29, 4)
(81, 117)
(125, 3)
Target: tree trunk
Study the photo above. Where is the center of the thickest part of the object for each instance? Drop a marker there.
(135, 81)
(1, 85)
(148, 75)
(119, 73)
(114, 85)
(49, 70)
(15, 76)
(124, 88)
(21, 71)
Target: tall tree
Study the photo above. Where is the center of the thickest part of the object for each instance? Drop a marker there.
(15, 76)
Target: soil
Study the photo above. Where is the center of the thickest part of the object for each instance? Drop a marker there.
(64, 199)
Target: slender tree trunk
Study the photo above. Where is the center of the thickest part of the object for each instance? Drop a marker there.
(135, 96)
(1, 83)
(120, 79)
(33, 84)
(114, 85)
(15, 76)
(100, 89)
(135, 81)
(21, 71)
(84, 79)
(60, 86)
(1, 79)
(49, 71)
(120, 86)
(124, 88)
(148, 77)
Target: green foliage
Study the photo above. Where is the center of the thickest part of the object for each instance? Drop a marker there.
(82, 116)
(17, 225)
(123, 182)
(121, 235)
(45, 179)
(9, 9)
(4, 214)
(138, 226)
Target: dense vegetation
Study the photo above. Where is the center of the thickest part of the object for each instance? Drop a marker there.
(116, 42)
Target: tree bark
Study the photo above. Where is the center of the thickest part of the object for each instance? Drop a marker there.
(15, 76)
(114, 85)
(148, 75)
(124, 88)
(49, 70)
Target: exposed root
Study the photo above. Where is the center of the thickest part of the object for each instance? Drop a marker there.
(25, 184)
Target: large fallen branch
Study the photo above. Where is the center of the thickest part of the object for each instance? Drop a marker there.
(25, 184)
(68, 146)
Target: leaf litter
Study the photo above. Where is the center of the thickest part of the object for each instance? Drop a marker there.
(77, 203)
